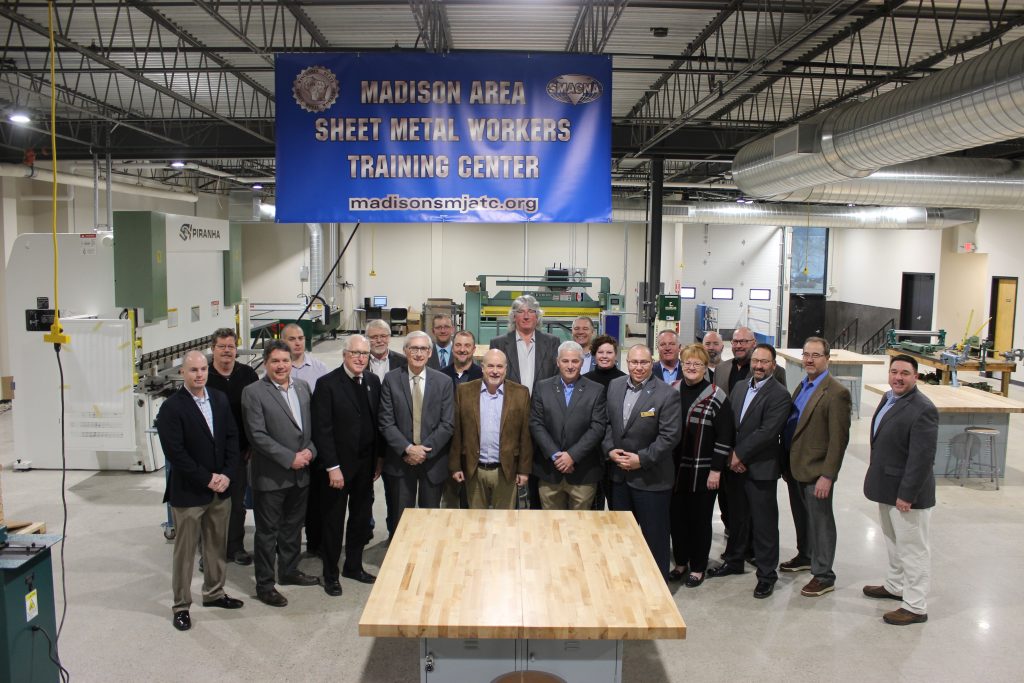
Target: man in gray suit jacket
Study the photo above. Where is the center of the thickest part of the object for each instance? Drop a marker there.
(567, 421)
(280, 431)
(644, 426)
(417, 416)
(900, 478)
(760, 407)
(531, 353)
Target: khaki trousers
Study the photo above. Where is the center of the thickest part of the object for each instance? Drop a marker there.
(906, 540)
(209, 522)
(566, 496)
(490, 488)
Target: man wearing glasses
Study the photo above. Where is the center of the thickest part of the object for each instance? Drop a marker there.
(382, 359)
(644, 426)
(729, 372)
(815, 437)
(417, 415)
(443, 329)
(345, 410)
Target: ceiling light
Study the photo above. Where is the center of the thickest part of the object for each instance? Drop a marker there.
(177, 164)
(18, 117)
(659, 31)
(257, 186)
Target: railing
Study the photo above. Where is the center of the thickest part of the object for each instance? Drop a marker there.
(848, 337)
(876, 343)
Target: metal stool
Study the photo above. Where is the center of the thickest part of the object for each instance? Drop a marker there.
(986, 437)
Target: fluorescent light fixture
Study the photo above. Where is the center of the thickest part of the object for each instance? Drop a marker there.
(177, 164)
(18, 117)
(257, 186)
(687, 292)
(760, 295)
(724, 293)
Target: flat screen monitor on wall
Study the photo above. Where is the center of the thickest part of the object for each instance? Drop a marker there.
(380, 302)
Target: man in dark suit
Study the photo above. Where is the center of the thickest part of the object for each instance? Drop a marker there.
(900, 478)
(491, 448)
(280, 430)
(644, 426)
(442, 328)
(417, 414)
(815, 437)
(568, 420)
(226, 374)
(200, 441)
(531, 353)
(761, 407)
(731, 372)
(667, 368)
(345, 411)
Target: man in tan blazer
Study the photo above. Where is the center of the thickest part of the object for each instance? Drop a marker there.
(491, 449)
(815, 438)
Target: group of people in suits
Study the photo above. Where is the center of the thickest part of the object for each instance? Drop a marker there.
(662, 440)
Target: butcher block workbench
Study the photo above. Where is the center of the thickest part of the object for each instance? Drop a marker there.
(959, 408)
(494, 591)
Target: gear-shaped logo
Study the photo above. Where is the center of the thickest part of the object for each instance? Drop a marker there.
(315, 89)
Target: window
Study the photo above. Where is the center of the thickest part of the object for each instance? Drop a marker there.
(721, 293)
(760, 295)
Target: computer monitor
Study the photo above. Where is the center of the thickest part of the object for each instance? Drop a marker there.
(380, 302)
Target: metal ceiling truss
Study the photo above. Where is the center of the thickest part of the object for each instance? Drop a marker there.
(593, 26)
(432, 22)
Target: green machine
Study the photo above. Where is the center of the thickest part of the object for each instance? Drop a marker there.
(562, 293)
(27, 603)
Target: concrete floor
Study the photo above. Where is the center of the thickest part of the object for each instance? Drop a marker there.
(118, 580)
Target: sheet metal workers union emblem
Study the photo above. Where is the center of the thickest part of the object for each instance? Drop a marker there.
(315, 89)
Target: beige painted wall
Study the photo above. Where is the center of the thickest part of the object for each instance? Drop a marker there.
(963, 286)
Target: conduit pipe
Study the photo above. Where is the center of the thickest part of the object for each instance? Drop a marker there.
(895, 217)
(45, 175)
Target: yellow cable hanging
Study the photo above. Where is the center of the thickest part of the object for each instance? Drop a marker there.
(56, 335)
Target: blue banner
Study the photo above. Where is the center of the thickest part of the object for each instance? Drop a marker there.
(418, 137)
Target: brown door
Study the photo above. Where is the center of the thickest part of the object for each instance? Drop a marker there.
(1003, 307)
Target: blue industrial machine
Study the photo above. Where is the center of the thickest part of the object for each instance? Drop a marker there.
(562, 293)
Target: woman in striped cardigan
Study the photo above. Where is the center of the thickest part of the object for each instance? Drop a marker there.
(700, 457)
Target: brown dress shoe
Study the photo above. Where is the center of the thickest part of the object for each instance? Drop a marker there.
(880, 592)
(816, 587)
(902, 617)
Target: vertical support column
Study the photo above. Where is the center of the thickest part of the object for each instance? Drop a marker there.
(654, 256)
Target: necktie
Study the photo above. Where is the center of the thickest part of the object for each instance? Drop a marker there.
(359, 380)
(443, 353)
(417, 409)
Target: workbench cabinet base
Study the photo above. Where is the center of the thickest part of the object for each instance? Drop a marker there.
(479, 660)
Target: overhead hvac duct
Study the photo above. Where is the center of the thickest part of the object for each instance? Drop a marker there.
(893, 217)
(939, 181)
(977, 102)
(316, 256)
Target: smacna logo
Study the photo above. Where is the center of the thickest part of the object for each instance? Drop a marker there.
(574, 89)
(315, 89)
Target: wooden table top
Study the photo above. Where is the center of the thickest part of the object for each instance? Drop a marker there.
(993, 364)
(520, 574)
(836, 357)
(961, 399)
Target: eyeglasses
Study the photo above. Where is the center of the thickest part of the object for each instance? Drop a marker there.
(693, 365)
(742, 341)
(418, 349)
(358, 354)
(225, 347)
(813, 356)
(378, 337)
(639, 363)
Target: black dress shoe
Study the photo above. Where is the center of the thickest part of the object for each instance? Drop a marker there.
(182, 621)
(692, 581)
(724, 570)
(764, 589)
(241, 557)
(272, 597)
(224, 602)
(361, 576)
(677, 574)
(332, 588)
(299, 579)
